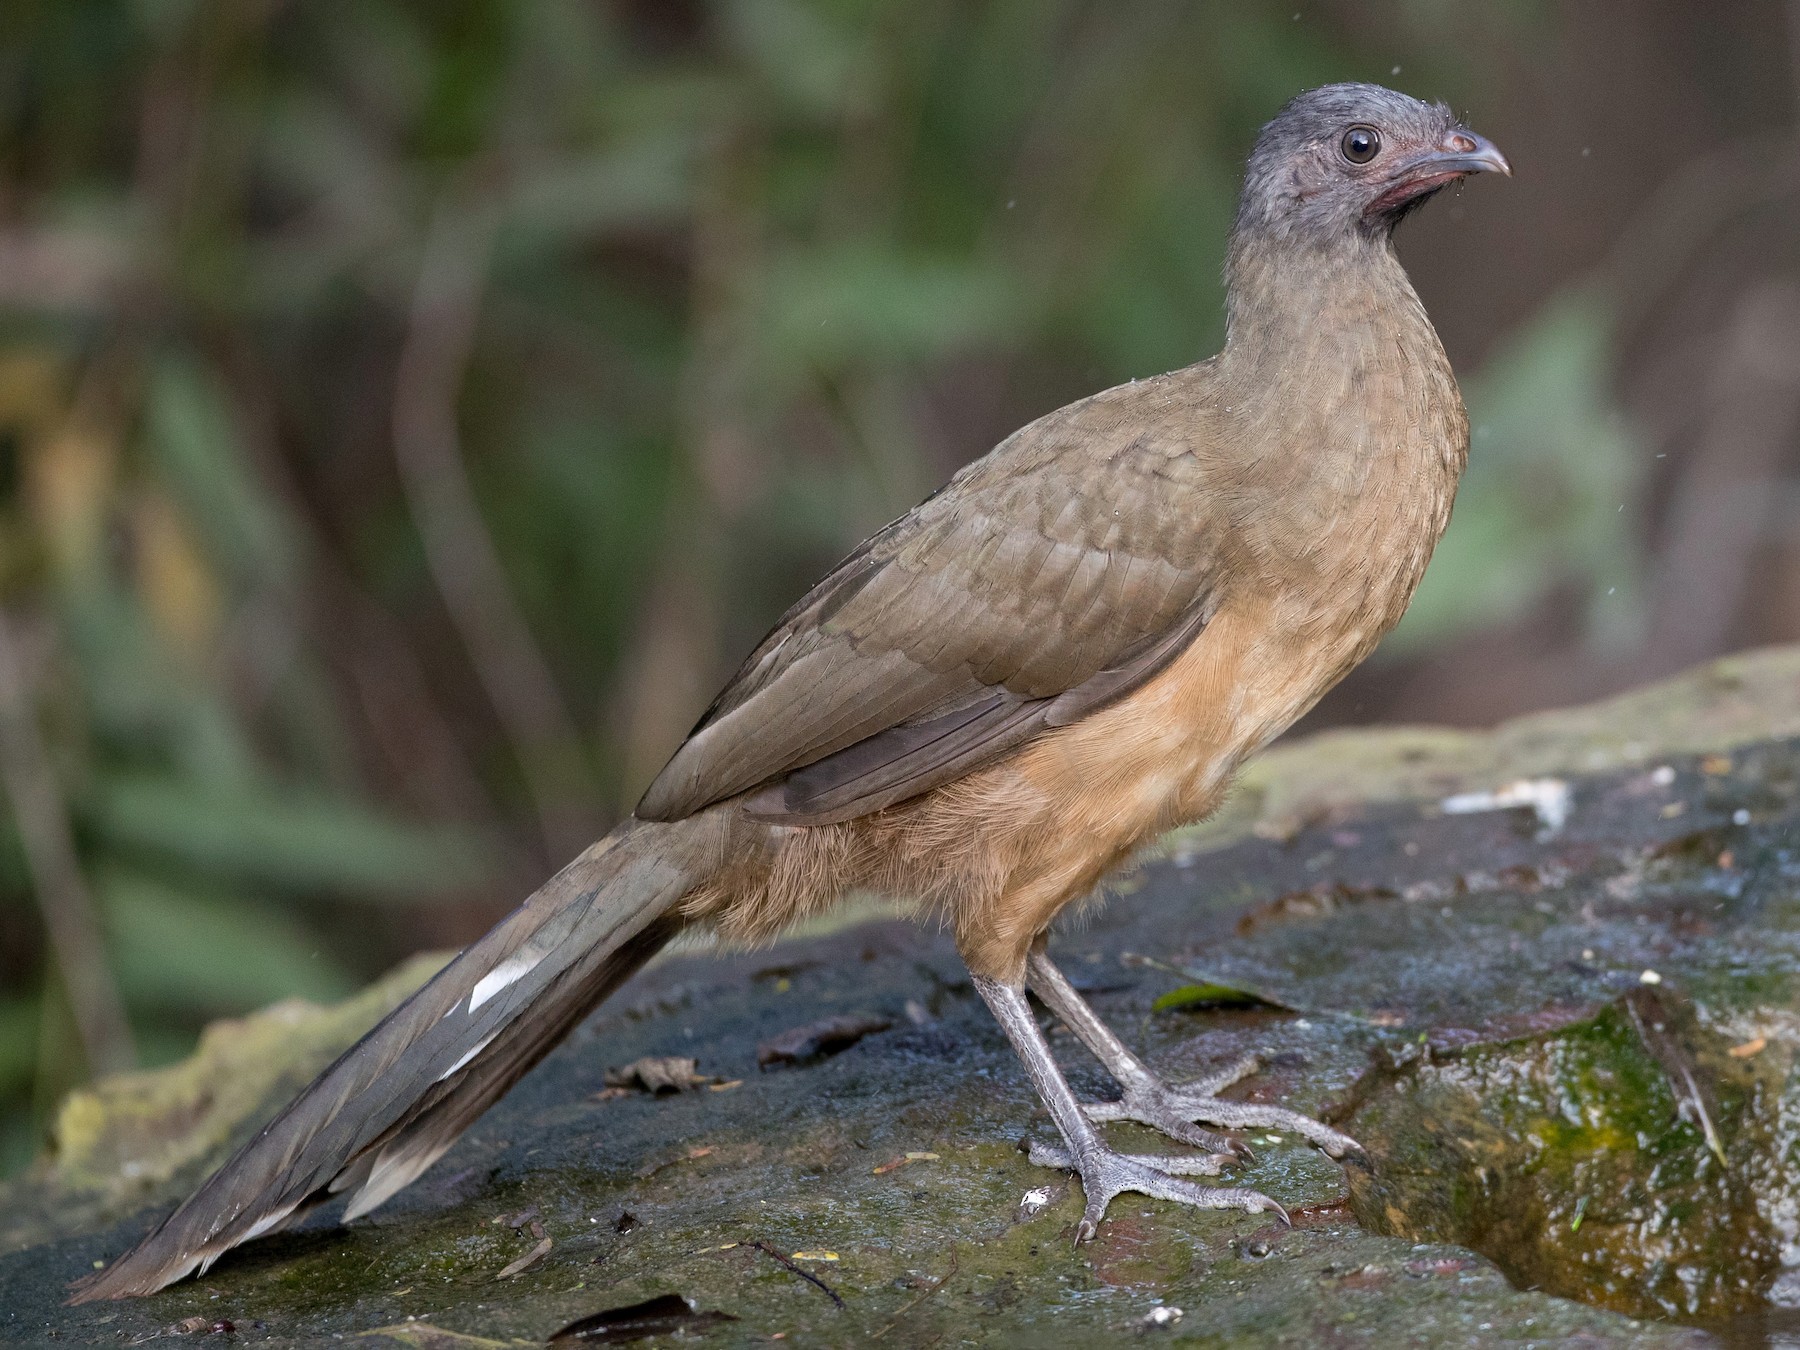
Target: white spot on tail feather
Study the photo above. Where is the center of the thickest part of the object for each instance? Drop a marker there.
(394, 1172)
(202, 1261)
(270, 1221)
(468, 1055)
(509, 971)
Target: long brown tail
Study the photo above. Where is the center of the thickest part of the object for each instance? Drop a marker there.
(398, 1098)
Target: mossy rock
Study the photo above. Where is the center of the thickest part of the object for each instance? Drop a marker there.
(1586, 1166)
(1466, 993)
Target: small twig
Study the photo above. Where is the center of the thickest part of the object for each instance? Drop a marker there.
(938, 1284)
(806, 1275)
(530, 1258)
(70, 919)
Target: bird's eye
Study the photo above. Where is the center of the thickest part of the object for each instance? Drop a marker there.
(1360, 144)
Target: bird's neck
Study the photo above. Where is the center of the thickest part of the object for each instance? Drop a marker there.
(1336, 329)
(1291, 302)
(1350, 431)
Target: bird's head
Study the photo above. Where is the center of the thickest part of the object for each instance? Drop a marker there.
(1350, 160)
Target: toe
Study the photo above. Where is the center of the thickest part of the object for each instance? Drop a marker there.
(1197, 1136)
(1234, 1115)
(1100, 1196)
(1213, 1084)
(1205, 1165)
(1211, 1197)
(1251, 1202)
(1106, 1175)
(1334, 1143)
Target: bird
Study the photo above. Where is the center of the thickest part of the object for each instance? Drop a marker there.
(992, 704)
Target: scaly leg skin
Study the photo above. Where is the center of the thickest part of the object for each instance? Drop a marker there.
(1104, 1173)
(1171, 1108)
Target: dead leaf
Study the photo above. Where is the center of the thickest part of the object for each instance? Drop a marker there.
(817, 1039)
(1548, 798)
(1653, 1018)
(1315, 902)
(666, 1314)
(536, 1254)
(1212, 994)
(657, 1075)
(895, 1164)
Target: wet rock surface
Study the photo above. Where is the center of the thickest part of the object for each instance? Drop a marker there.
(1569, 1052)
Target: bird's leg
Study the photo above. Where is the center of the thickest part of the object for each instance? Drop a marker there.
(1104, 1173)
(1171, 1108)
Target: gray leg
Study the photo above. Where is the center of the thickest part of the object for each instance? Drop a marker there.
(1171, 1108)
(1104, 1173)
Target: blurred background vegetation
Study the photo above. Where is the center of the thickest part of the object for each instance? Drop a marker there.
(411, 409)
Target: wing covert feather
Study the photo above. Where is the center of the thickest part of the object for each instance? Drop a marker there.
(1043, 580)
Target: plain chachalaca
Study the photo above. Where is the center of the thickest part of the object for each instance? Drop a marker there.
(993, 702)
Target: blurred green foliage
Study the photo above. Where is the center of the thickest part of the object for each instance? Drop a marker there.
(746, 279)
(1553, 493)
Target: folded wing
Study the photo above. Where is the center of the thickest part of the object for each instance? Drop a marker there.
(1050, 577)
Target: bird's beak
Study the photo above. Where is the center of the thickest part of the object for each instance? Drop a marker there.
(1463, 152)
(1458, 155)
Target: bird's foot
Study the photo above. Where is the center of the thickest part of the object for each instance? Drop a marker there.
(1106, 1174)
(1177, 1110)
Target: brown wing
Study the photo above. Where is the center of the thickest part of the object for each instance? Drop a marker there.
(1044, 580)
